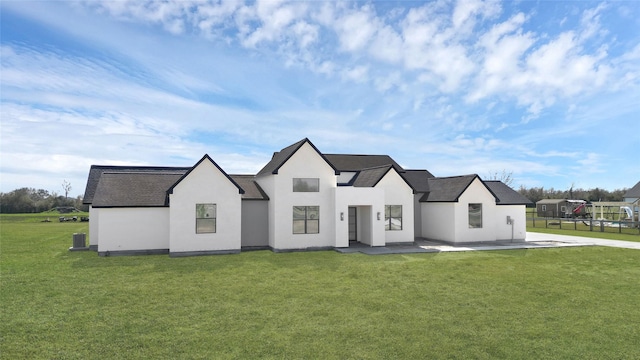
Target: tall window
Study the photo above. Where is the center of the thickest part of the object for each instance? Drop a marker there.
(205, 218)
(306, 184)
(306, 219)
(393, 217)
(475, 216)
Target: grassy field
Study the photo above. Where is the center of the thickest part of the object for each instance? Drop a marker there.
(568, 303)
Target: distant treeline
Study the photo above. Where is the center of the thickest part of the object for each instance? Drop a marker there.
(591, 195)
(29, 200)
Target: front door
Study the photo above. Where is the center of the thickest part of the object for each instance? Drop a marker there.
(353, 223)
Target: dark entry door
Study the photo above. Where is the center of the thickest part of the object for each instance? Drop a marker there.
(353, 223)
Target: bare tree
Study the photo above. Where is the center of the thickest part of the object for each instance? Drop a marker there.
(505, 177)
(66, 187)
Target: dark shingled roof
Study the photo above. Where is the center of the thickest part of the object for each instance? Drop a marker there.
(279, 158)
(418, 179)
(370, 177)
(252, 191)
(346, 162)
(447, 189)
(147, 186)
(505, 194)
(133, 189)
(96, 171)
(634, 192)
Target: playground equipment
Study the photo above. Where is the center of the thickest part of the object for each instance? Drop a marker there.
(577, 209)
(627, 213)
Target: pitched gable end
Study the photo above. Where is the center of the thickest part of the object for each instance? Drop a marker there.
(281, 157)
(206, 157)
(449, 189)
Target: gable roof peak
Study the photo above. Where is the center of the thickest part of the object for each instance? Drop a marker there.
(279, 158)
(205, 157)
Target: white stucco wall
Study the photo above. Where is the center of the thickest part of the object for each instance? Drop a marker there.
(438, 221)
(518, 215)
(369, 201)
(129, 229)
(475, 193)
(94, 225)
(305, 163)
(205, 184)
(398, 192)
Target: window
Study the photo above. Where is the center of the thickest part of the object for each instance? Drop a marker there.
(306, 184)
(205, 218)
(393, 217)
(306, 219)
(475, 216)
(544, 207)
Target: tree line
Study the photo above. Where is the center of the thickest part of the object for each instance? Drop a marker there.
(536, 194)
(30, 200)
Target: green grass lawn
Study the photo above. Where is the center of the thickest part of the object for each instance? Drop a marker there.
(565, 303)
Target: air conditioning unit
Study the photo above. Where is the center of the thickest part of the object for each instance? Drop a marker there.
(79, 240)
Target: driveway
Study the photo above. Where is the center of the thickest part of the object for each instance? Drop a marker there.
(534, 241)
(579, 240)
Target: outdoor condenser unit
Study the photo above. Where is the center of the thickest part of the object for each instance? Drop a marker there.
(79, 240)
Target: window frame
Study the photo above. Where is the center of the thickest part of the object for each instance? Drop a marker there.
(306, 184)
(473, 221)
(310, 218)
(203, 217)
(388, 218)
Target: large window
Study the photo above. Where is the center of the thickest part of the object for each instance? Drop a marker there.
(306, 184)
(393, 217)
(306, 219)
(475, 216)
(205, 218)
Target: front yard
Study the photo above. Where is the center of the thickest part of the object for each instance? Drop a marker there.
(544, 303)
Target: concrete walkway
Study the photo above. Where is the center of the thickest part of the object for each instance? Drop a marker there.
(584, 241)
(534, 241)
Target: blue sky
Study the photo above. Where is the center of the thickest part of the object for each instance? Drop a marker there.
(546, 90)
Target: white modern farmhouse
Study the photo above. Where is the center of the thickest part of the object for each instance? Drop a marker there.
(301, 199)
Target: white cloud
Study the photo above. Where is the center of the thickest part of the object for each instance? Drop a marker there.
(355, 28)
(259, 72)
